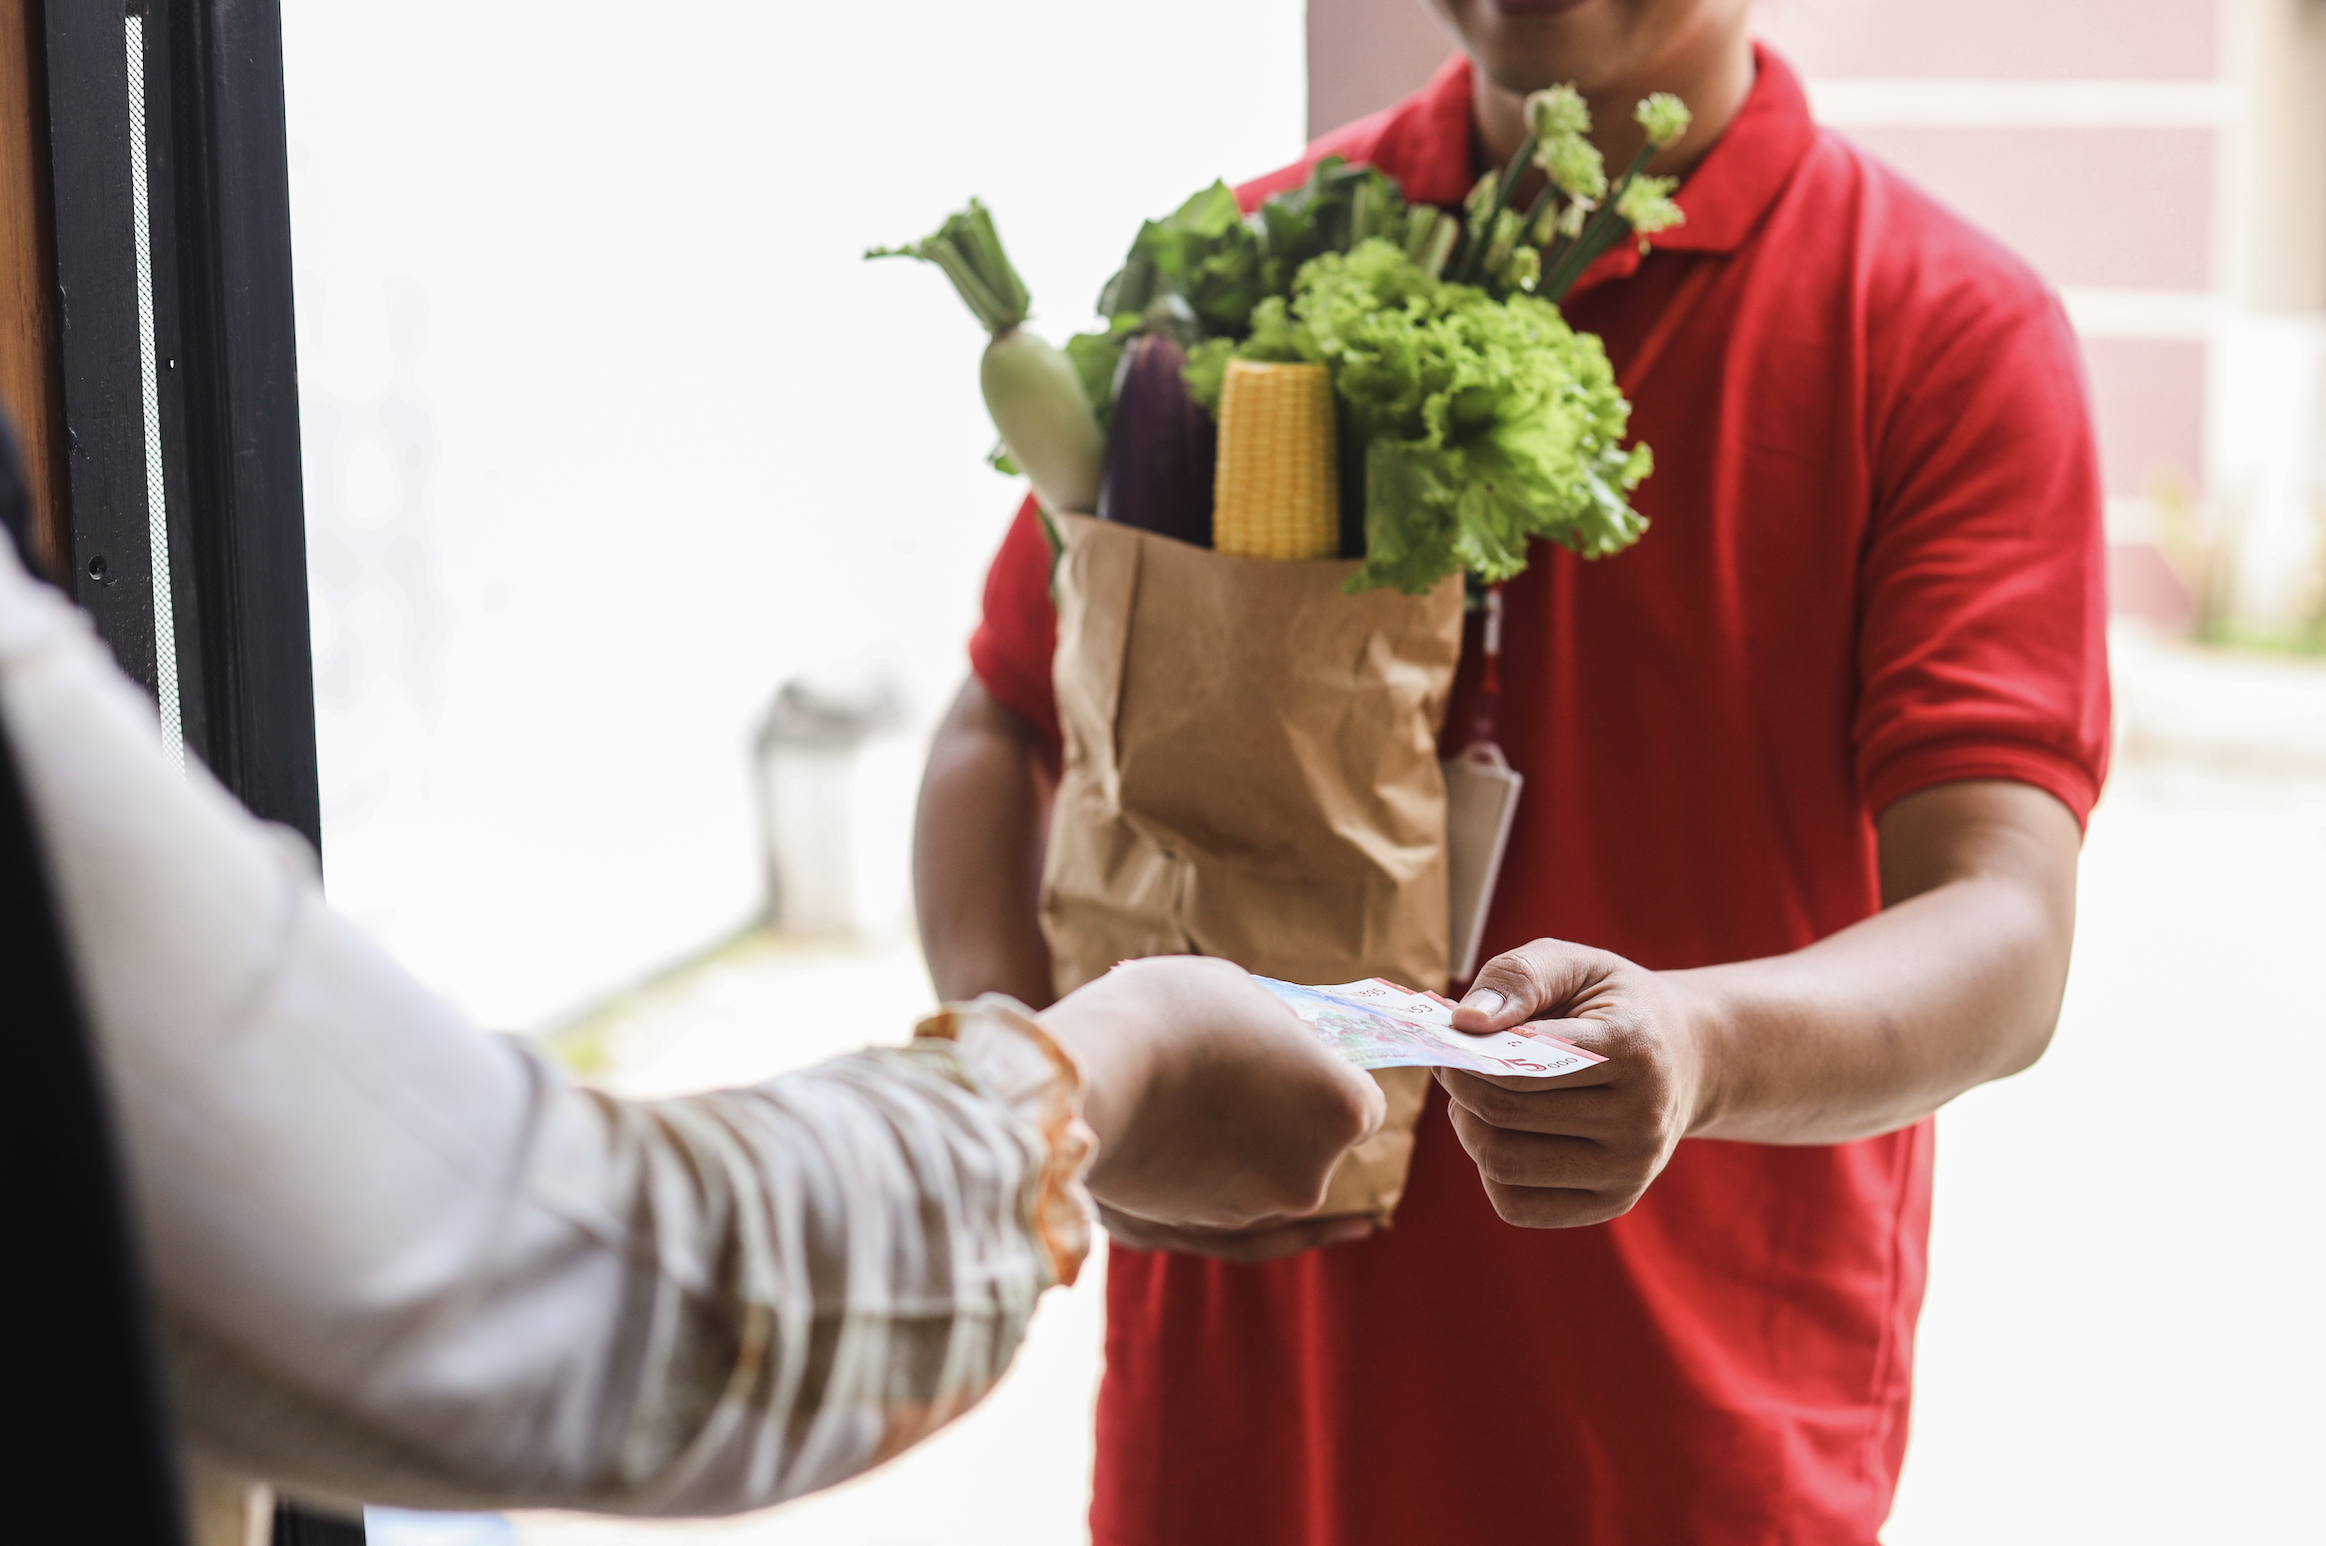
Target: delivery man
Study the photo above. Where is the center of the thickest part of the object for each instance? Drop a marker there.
(1806, 775)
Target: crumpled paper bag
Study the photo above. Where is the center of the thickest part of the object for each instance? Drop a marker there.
(1251, 772)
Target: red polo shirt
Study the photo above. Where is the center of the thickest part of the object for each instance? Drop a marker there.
(1873, 565)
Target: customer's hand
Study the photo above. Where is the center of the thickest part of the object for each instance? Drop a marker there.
(1215, 1106)
(1581, 1148)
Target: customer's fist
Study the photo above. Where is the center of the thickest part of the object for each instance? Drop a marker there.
(1215, 1105)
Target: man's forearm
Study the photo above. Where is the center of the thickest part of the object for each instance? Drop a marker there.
(1957, 982)
(977, 854)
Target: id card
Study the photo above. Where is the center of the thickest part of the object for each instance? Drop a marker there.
(1481, 802)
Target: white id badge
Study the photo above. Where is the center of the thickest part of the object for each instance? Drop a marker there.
(1481, 800)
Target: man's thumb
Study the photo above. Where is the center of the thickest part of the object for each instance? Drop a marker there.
(1508, 990)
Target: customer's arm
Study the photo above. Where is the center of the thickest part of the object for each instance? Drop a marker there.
(399, 1261)
(1955, 982)
(977, 852)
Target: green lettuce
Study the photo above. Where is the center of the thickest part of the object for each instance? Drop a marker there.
(1096, 356)
(1201, 270)
(1199, 266)
(1487, 423)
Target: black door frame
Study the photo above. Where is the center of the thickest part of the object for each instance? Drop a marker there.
(213, 304)
(180, 397)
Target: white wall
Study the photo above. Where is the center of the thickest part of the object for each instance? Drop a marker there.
(2267, 394)
(608, 429)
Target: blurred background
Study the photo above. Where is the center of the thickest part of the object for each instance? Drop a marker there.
(647, 523)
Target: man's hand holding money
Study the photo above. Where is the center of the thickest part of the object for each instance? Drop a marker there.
(1580, 1148)
(1956, 981)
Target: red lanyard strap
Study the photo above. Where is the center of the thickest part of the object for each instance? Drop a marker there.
(1489, 699)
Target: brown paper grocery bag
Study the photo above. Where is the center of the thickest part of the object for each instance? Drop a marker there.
(1251, 772)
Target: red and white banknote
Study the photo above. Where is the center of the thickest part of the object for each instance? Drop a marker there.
(1377, 1024)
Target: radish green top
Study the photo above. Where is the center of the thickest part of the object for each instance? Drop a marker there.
(969, 250)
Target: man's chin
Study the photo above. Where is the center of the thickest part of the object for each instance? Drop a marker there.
(1524, 70)
(1525, 45)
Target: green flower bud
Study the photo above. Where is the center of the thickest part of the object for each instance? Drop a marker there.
(1665, 117)
(1646, 205)
(1546, 224)
(1574, 164)
(1558, 112)
(1572, 217)
(1523, 269)
(1431, 259)
(1421, 223)
(1503, 239)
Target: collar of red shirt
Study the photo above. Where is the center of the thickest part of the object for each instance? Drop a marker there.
(1425, 143)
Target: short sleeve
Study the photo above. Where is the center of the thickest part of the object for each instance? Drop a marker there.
(1983, 631)
(1018, 633)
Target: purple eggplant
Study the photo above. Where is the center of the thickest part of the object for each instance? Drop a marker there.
(1160, 447)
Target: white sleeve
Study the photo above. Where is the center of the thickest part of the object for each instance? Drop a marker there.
(400, 1261)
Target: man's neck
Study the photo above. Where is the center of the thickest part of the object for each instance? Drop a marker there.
(1714, 81)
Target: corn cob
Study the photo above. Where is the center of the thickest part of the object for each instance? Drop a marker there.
(1277, 493)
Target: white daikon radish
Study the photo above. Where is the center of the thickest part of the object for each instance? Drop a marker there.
(1036, 396)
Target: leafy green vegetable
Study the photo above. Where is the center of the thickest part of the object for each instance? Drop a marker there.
(1206, 371)
(1198, 272)
(1096, 357)
(1487, 422)
(1202, 254)
(1336, 208)
(1473, 417)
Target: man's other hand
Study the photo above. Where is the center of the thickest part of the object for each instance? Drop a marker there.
(1216, 1107)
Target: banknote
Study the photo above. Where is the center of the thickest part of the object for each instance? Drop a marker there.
(1377, 1024)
